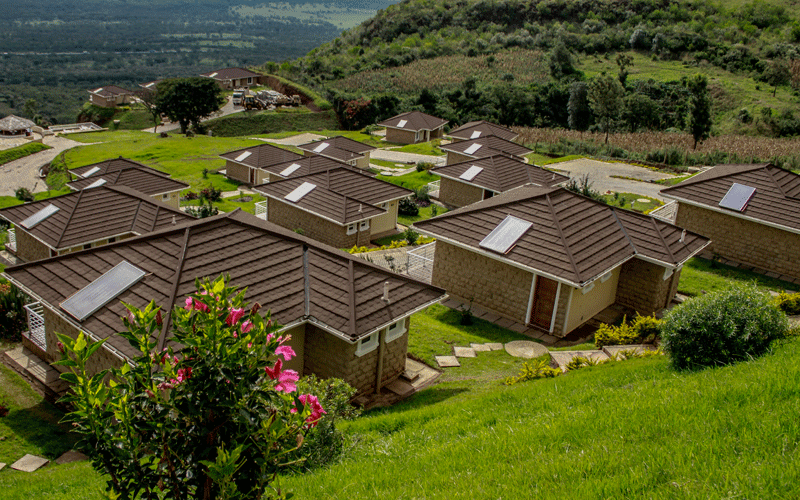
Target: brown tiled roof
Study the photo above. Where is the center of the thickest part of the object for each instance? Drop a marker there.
(322, 201)
(489, 146)
(94, 214)
(573, 238)
(150, 85)
(230, 74)
(776, 200)
(110, 90)
(294, 277)
(13, 123)
(113, 165)
(339, 148)
(501, 173)
(135, 177)
(262, 156)
(415, 120)
(484, 128)
(312, 165)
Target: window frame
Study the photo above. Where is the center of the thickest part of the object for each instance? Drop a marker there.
(400, 330)
(351, 228)
(367, 344)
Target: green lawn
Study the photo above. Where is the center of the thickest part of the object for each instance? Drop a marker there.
(228, 205)
(424, 148)
(425, 213)
(542, 160)
(389, 164)
(623, 200)
(18, 152)
(701, 275)
(673, 180)
(411, 180)
(10, 201)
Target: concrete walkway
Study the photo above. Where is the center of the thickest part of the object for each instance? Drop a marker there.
(25, 171)
(600, 173)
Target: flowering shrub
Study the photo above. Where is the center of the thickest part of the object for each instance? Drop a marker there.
(212, 415)
(13, 320)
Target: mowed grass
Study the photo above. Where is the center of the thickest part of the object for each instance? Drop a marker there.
(425, 213)
(11, 201)
(411, 180)
(624, 200)
(701, 275)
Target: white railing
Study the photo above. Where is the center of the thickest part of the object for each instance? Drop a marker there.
(12, 240)
(433, 189)
(36, 325)
(420, 262)
(261, 209)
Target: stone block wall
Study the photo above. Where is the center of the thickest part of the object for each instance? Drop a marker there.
(642, 286)
(458, 194)
(400, 136)
(492, 284)
(457, 158)
(744, 241)
(29, 248)
(237, 172)
(55, 323)
(437, 134)
(314, 227)
(171, 199)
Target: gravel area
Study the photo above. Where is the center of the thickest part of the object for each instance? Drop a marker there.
(25, 171)
(600, 173)
(399, 157)
(295, 140)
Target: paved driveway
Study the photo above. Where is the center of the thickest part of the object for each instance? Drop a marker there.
(600, 173)
(25, 171)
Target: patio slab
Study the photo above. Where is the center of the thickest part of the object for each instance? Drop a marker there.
(71, 456)
(2, 465)
(464, 352)
(480, 347)
(447, 361)
(525, 349)
(29, 463)
(495, 346)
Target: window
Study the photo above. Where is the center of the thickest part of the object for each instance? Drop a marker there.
(249, 79)
(367, 344)
(395, 330)
(165, 196)
(112, 239)
(351, 229)
(588, 288)
(364, 226)
(605, 277)
(416, 137)
(87, 246)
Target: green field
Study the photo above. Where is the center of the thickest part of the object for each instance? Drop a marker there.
(18, 152)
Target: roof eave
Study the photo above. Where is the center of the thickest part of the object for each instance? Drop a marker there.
(731, 214)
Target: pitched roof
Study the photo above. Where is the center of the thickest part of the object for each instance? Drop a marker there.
(414, 120)
(573, 239)
(142, 179)
(776, 200)
(486, 146)
(230, 74)
(500, 173)
(261, 156)
(150, 85)
(482, 128)
(113, 165)
(294, 277)
(110, 91)
(311, 165)
(339, 148)
(94, 214)
(14, 123)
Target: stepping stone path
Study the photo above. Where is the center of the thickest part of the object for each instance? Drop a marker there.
(518, 348)
(562, 358)
(447, 361)
(2, 465)
(464, 352)
(526, 349)
(71, 456)
(29, 463)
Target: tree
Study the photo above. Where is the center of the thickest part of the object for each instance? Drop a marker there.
(777, 73)
(623, 61)
(699, 107)
(580, 113)
(150, 100)
(606, 100)
(188, 100)
(794, 71)
(216, 419)
(641, 112)
(561, 63)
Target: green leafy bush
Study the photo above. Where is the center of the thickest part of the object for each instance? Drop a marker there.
(789, 303)
(722, 328)
(641, 329)
(532, 371)
(13, 319)
(411, 236)
(407, 207)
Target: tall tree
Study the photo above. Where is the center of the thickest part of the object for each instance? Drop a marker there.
(150, 100)
(777, 73)
(623, 61)
(699, 107)
(561, 63)
(189, 100)
(580, 113)
(606, 99)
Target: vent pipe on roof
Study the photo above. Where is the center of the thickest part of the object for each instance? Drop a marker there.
(174, 220)
(683, 236)
(360, 208)
(385, 297)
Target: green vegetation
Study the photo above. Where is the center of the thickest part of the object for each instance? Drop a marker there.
(430, 148)
(702, 275)
(624, 200)
(11, 201)
(411, 180)
(18, 152)
(289, 87)
(229, 204)
(250, 123)
(424, 214)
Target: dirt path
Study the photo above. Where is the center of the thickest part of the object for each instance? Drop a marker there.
(25, 171)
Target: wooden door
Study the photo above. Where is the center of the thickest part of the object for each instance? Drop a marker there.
(544, 302)
(252, 176)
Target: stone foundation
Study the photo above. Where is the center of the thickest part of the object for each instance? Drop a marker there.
(643, 288)
(458, 194)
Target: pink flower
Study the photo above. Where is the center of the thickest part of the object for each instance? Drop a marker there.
(166, 385)
(286, 381)
(286, 351)
(131, 318)
(234, 316)
(150, 394)
(275, 371)
(269, 337)
(189, 302)
(184, 374)
(159, 319)
(247, 326)
(249, 345)
(196, 304)
(316, 409)
(60, 347)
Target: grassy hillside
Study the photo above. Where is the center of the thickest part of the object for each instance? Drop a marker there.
(251, 123)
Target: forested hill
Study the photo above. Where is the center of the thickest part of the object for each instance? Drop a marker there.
(741, 38)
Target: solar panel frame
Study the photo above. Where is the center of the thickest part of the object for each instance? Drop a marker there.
(402, 123)
(97, 183)
(89, 299)
(91, 171)
(300, 191)
(30, 222)
(471, 173)
(286, 172)
(505, 235)
(243, 156)
(322, 147)
(475, 134)
(737, 197)
(472, 149)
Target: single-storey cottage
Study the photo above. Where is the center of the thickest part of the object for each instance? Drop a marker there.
(13, 125)
(482, 147)
(124, 172)
(247, 164)
(233, 78)
(304, 166)
(339, 148)
(110, 96)
(552, 259)
(750, 212)
(84, 219)
(347, 318)
(413, 127)
(471, 181)
(339, 207)
(482, 128)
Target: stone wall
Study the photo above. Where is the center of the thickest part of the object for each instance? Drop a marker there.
(314, 227)
(453, 158)
(744, 241)
(400, 136)
(237, 172)
(436, 134)
(29, 248)
(458, 194)
(492, 284)
(55, 323)
(171, 199)
(642, 286)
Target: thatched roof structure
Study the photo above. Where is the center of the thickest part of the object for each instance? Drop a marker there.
(12, 124)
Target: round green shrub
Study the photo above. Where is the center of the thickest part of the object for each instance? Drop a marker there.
(722, 328)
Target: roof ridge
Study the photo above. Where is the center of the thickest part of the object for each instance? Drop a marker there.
(624, 231)
(663, 241)
(162, 337)
(699, 177)
(563, 238)
(69, 219)
(774, 181)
